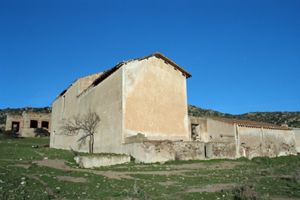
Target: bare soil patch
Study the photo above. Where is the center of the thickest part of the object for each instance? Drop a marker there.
(39, 153)
(193, 166)
(61, 165)
(25, 166)
(167, 183)
(57, 164)
(72, 179)
(173, 169)
(212, 188)
(48, 190)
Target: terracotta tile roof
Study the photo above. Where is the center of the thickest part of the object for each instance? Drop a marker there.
(249, 123)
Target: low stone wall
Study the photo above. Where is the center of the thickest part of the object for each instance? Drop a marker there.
(220, 150)
(93, 161)
(163, 151)
(257, 142)
(189, 150)
(151, 151)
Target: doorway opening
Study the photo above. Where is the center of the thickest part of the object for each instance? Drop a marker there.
(195, 132)
(15, 126)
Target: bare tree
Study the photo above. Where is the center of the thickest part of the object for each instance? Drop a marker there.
(86, 123)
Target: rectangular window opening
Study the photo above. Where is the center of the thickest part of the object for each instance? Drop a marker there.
(33, 123)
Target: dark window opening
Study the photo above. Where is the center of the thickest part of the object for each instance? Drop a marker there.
(33, 123)
(15, 126)
(45, 124)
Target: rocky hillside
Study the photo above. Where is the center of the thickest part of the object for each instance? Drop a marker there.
(292, 119)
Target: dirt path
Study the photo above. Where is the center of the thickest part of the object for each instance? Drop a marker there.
(60, 164)
(72, 179)
(48, 190)
(212, 188)
(173, 169)
(25, 166)
(193, 166)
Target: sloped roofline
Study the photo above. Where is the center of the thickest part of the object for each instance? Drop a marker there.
(110, 71)
(169, 61)
(107, 73)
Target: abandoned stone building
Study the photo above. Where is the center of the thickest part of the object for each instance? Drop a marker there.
(142, 104)
(27, 122)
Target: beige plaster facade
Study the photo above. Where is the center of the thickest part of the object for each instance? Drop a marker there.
(297, 138)
(142, 97)
(26, 123)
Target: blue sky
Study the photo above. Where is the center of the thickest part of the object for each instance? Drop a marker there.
(243, 55)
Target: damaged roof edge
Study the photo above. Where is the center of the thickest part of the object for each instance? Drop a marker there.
(158, 55)
(169, 61)
(250, 123)
(110, 71)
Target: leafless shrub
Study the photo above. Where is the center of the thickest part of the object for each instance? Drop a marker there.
(245, 192)
(86, 123)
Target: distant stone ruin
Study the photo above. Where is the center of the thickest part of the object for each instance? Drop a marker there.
(26, 123)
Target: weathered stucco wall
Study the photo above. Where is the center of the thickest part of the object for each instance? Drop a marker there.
(106, 100)
(198, 129)
(94, 161)
(189, 150)
(13, 118)
(220, 132)
(163, 151)
(155, 102)
(250, 142)
(220, 150)
(297, 138)
(229, 140)
(64, 108)
(265, 142)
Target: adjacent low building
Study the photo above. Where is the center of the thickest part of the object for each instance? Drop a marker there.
(230, 138)
(26, 123)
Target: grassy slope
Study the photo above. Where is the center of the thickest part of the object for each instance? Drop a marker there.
(278, 177)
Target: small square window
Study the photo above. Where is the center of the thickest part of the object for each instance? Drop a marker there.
(45, 124)
(33, 123)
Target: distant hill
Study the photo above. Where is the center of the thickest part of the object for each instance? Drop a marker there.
(292, 119)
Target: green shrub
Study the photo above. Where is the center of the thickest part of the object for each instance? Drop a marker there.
(41, 132)
(8, 134)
